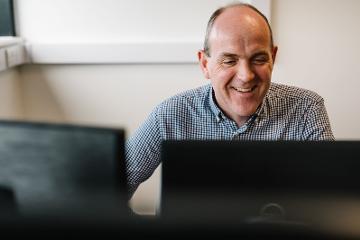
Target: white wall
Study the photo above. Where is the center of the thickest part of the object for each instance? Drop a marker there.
(11, 100)
(108, 31)
(110, 21)
(318, 49)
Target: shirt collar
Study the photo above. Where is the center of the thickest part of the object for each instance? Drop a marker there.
(213, 106)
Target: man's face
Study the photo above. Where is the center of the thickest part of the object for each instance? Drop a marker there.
(240, 62)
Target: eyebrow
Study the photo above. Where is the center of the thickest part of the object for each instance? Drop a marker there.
(233, 55)
(230, 55)
(261, 52)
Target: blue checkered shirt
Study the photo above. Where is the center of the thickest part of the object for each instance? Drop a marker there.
(287, 113)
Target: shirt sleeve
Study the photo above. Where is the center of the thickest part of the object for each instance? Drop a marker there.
(317, 125)
(142, 152)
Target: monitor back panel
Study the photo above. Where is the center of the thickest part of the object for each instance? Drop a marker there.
(245, 180)
(48, 167)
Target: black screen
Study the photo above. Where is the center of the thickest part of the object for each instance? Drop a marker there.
(242, 181)
(62, 169)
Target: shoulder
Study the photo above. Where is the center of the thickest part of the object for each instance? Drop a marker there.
(293, 94)
(189, 99)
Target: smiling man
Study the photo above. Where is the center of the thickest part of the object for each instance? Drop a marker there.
(240, 103)
(238, 58)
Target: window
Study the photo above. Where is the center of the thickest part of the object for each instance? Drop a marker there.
(6, 18)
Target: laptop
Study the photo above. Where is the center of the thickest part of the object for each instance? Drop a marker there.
(283, 182)
(62, 170)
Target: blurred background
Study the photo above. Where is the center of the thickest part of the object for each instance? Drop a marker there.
(109, 62)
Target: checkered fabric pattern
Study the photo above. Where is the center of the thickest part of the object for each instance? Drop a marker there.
(287, 113)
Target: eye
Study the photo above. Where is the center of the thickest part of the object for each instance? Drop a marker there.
(259, 60)
(229, 62)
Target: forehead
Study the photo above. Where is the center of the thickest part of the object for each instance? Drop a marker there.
(240, 27)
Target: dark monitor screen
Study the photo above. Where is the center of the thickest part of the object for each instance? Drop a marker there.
(62, 169)
(245, 181)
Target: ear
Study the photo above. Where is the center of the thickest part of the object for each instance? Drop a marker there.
(273, 53)
(203, 61)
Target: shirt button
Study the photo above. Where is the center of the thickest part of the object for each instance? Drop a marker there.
(242, 129)
(235, 137)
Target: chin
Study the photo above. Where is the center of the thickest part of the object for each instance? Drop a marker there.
(247, 109)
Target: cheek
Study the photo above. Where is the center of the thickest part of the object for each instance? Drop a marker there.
(264, 73)
(221, 74)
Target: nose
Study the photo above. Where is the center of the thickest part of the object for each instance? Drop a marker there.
(244, 72)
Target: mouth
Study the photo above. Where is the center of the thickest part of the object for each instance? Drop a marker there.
(243, 90)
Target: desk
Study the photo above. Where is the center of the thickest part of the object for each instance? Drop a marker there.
(144, 227)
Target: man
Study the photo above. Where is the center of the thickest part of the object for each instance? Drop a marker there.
(241, 103)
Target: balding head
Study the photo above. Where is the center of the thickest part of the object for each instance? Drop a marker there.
(240, 15)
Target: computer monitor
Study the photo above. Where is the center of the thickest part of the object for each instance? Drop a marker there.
(62, 170)
(289, 182)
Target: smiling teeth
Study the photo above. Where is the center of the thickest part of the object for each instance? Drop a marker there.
(244, 90)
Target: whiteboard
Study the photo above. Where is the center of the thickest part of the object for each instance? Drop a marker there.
(116, 31)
